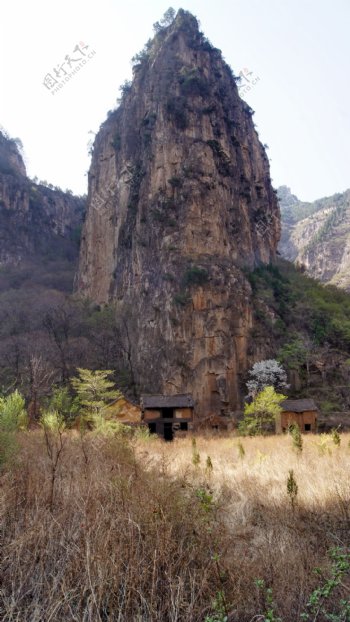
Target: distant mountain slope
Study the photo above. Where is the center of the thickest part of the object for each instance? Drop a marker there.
(37, 223)
(317, 235)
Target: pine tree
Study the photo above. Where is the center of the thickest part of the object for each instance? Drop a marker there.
(95, 390)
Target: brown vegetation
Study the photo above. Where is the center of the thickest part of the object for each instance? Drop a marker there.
(138, 530)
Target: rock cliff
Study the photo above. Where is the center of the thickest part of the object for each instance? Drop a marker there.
(180, 203)
(35, 221)
(317, 236)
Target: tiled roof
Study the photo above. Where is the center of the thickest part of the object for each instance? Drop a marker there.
(167, 401)
(298, 406)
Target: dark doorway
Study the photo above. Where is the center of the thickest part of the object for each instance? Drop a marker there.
(167, 413)
(307, 427)
(168, 432)
(152, 428)
(183, 425)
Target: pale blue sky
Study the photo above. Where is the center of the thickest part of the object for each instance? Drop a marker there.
(299, 49)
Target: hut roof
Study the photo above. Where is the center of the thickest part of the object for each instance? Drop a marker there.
(124, 411)
(298, 406)
(167, 401)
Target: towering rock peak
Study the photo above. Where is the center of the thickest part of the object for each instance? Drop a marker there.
(180, 200)
(11, 161)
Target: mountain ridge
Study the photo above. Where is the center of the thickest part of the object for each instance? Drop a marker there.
(35, 221)
(316, 235)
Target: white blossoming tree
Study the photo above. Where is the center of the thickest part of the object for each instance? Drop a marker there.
(268, 373)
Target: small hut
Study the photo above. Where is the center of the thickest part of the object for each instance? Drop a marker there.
(216, 423)
(301, 412)
(165, 414)
(124, 411)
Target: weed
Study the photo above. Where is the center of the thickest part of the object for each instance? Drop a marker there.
(241, 450)
(292, 489)
(209, 466)
(205, 499)
(269, 605)
(196, 458)
(142, 433)
(219, 609)
(336, 437)
(297, 439)
(319, 603)
(323, 444)
(138, 533)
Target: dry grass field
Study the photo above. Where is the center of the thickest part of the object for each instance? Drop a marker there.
(142, 530)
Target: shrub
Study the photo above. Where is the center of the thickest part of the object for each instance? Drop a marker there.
(260, 415)
(297, 439)
(167, 20)
(195, 276)
(193, 83)
(176, 110)
(13, 417)
(182, 299)
(62, 402)
(125, 87)
(117, 141)
(222, 161)
(196, 458)
(167, 276)
(136, 541)
(137, 533)
(292, 489)
(321, 602)
(175, 182)
(5, 167)
(336, 437)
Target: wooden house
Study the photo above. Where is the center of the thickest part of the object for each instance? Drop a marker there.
(124, 411)
(302, 412)
(166, 414)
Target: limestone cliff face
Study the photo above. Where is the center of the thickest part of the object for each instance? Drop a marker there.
(34, 220)
(317, 236)
(11, 161)
(180, 200)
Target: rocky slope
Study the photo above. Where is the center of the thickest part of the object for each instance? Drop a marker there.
(317, 235)
(180, 203)
(36, 222)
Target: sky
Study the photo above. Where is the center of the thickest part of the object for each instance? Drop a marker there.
(295, 51)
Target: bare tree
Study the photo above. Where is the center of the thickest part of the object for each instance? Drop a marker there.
(40, 377)
(58, 323)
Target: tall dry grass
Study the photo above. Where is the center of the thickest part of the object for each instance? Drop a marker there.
(134, 531)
